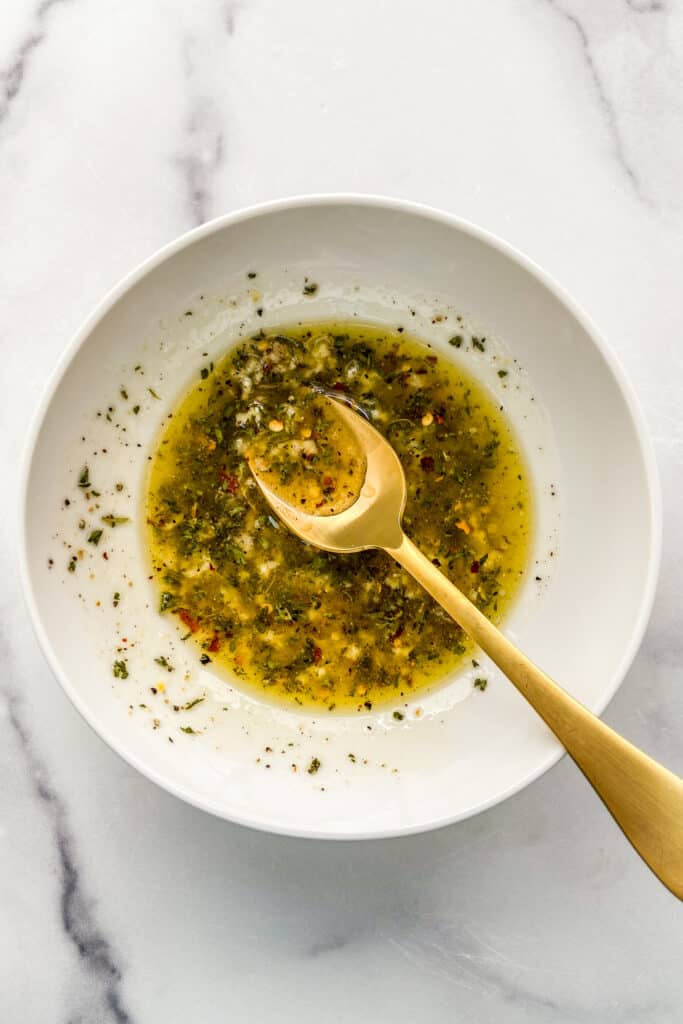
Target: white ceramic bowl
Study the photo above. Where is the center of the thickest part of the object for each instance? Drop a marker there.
(597, 537)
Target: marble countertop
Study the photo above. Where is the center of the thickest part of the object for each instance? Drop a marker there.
(557, 124)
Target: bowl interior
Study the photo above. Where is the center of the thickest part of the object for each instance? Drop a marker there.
(595, 553)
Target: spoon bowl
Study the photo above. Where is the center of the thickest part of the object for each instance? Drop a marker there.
(374, 518)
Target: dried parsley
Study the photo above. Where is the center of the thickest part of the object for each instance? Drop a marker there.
(114, 520)
(192, 703)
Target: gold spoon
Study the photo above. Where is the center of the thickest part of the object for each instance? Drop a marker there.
(645, 798)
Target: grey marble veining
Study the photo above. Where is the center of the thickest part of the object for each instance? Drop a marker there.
(99, 996)
(576, 14)
(557, 124)
(643, 36)
(18, 62)
(203, 149)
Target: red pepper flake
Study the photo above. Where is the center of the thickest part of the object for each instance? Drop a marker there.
(396, 635)
(432, 359)
(475, 566)
(427, 463)
(191, 623)
(212, 567)
(317, 654)
(438, 417)
(230, 482)
(215, 644)
(339, 386)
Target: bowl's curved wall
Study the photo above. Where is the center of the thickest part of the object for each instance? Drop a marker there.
(584, 629)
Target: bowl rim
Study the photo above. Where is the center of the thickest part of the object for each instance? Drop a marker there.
(411, 208)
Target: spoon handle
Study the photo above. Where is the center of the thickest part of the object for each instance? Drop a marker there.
(645, 798)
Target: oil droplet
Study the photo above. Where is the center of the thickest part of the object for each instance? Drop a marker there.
(368, 491)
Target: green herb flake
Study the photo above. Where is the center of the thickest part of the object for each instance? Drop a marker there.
(114, 520)
(310, 289)
(84, 479)
(72, 564)
(120, 669)
(154, 394)
(136, 409)
(205, 659)
(455, 341)
(479, 343)
(399, 716)
(314, 766)
(124, 394)
(189, 730)
(95, 537)
(352, 758)
(165, 663)
(166, 601)
(204, 373)
(116, 599)
(480, 683)
(502, 373)
(192, 703)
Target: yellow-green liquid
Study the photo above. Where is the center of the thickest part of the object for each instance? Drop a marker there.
(305, 627)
